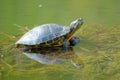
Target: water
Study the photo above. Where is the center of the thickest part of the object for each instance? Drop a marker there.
(98, 52)
(31, 13)
(98, 57)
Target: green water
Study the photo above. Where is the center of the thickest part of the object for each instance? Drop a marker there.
(98, 55)
(35, 12)
(99, 50)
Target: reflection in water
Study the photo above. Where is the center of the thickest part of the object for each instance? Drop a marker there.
(54, 55)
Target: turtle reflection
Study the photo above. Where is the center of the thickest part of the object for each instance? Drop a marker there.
(55, 55)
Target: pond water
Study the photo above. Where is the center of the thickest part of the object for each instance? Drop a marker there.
(96, 57)
(35, 12)
(33, 64)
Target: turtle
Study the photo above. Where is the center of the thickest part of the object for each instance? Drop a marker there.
(50, 35)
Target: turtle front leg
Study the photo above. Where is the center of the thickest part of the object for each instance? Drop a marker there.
(74, 41)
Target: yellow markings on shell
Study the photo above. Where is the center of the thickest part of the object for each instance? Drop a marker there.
(60, 43)
(46, 43)
(54, 42)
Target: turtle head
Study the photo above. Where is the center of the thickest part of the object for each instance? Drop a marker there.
(75, 25)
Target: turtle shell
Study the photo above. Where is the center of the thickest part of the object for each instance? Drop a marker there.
(42, 34)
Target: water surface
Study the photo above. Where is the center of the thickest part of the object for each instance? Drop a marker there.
(99, 50)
